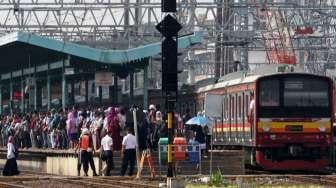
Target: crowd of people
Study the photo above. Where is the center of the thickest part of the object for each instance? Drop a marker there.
(90, 130)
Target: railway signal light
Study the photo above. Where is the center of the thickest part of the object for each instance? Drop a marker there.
(169, 65)
(168, 5)
(169, 28)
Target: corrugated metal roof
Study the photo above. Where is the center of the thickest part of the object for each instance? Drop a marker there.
(105, 56)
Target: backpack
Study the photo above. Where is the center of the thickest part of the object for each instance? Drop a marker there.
(84, 142)
(55, 122)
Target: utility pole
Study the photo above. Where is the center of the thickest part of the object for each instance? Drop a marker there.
(169, 28)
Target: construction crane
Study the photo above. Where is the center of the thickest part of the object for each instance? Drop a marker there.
(277, 36)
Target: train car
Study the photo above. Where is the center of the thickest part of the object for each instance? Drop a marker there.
(282, 119)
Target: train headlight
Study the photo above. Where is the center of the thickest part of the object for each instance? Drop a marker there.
(322, 128)
(266, 128)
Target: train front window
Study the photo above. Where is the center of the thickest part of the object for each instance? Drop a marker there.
(306, 92)
(269, 93)
(293, 96)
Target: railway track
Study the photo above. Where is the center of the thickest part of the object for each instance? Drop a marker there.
(251, 170)
(39, 179)
(315, 179)
(286, 179)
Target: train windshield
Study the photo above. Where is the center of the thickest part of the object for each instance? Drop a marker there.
(305, 93)
(294, 96)
(269, 93)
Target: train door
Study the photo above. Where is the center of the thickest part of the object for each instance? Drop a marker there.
(240, 117)
(247, 125)
(226, 132)
(222, 121)
(250, 107)
(230, 117)
(243, 105)
(234, 118)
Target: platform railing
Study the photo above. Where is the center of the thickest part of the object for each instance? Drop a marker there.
(193, 156)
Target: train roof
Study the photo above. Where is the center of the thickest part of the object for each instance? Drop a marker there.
(242, 77)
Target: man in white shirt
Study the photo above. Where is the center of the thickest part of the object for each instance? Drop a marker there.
(107, 153)
(250, 114)
(128, 152)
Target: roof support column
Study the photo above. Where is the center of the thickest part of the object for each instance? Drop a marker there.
(72, 95)
(48, 92)
(22, 94)
(35, 89)
(86, 91)
(1, 110)
(64, 92)
(11, 94)
(131, 88)
(48, 89)
(115, 101)
(145, 86)
(64, 84)
(100, 94)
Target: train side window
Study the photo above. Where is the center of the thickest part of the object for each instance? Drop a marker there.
(230, 107)
(243, 106)
(222, 113)
(236, 107)
(234, 112)
(239, 107)
(202, 107)
(247, 99)
(226, 108)
(223, 108)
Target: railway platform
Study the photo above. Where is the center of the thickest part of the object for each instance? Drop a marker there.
(64, 162)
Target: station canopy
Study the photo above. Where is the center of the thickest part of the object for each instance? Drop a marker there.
(21, 50)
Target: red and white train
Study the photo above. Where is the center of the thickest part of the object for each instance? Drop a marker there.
(290, 124)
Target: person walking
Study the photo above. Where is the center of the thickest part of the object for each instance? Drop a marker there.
(106, 150)
(128, 153)
(90, 153)
(72, 126)
(84, 144)
(114, 128)
(11, 168)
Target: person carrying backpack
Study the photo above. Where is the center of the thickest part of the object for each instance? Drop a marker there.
(85, 143)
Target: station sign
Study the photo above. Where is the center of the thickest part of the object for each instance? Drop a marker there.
(30, 81)
(104, 79)
(69, 71)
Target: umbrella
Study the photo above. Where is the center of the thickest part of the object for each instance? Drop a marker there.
(198, 120)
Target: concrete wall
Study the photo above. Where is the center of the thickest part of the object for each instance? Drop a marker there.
(65, 162)
(67, 165)
(29, 164)
(49, 161)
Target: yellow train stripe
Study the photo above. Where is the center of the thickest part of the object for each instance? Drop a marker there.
(308, 127)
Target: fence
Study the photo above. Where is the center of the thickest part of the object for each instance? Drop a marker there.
(186, 156)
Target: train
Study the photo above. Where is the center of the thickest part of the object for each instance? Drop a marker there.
(281, 116)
